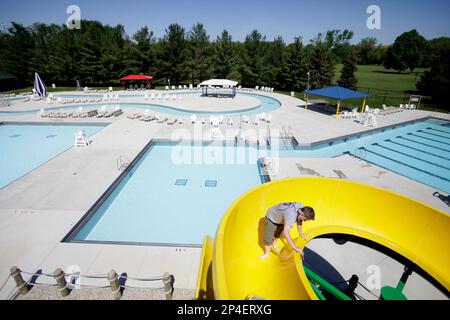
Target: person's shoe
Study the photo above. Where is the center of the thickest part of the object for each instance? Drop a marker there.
(264, 256)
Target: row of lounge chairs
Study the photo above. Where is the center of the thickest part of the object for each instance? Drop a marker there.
(103, 113)
(264, 89)
(191, 87)
(87, 90)
(214, 121)
(147, 117)
(260, 117)
(182, 87)
(160, 96)
(389, 110)
(59, 100)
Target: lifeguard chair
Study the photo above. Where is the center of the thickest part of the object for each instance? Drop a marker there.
(81, 139)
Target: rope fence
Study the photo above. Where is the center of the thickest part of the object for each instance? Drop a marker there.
(116, 282)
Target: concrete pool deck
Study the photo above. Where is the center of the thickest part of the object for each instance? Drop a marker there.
(38, 210)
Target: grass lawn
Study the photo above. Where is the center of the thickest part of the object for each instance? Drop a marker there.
(384, 87)
(377, 78)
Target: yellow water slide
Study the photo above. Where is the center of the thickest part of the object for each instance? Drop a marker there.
(231, 268)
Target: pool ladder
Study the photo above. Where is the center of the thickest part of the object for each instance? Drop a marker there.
(287, 135)
(268, 136)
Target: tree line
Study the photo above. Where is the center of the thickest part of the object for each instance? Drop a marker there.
(100, 54)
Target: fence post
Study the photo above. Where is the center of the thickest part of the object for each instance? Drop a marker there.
(61, 281)
(114, 282)
(168, 288)
(20, 283)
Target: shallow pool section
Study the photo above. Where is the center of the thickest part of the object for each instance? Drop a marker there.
(24, 147)
(174, 195)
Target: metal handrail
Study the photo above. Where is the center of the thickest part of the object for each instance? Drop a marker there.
(315, 278)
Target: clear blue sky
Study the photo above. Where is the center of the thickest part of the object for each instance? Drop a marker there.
(287, 18)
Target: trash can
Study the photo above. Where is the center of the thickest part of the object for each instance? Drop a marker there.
(292, 94)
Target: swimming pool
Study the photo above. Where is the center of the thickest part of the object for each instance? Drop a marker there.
(177, 192)
(420, 151)
(24, 147)
(166, 199)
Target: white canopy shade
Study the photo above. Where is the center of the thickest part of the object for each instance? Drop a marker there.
(219, 83)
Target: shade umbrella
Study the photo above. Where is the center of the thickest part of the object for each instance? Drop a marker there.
(39, 86)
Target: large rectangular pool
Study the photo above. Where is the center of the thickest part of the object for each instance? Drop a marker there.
(173, 195)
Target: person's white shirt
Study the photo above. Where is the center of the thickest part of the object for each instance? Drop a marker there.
(284, 213)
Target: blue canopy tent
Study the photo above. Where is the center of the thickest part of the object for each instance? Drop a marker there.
(337, 93)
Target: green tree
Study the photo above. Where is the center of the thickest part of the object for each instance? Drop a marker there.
(173, 54)
(111, 45)
(198, 60)
(348, 78)
(407, 52)
(273, 73)
(321, 64)
(130, 65)
(223, 60)
(295, 66)
(17, 53)
(46, 57)
(436, 82)
(252, 59)
(339, 43)
(365, 49)
(435, 47)
(144, 40)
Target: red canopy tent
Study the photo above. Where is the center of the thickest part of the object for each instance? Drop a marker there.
(137, 77)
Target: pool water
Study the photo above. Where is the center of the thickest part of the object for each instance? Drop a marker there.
(173, 195)
(420, 151)
(177, 193)
(26, 147)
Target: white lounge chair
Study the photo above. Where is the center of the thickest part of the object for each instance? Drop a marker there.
(215, 122)
(263, 116)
